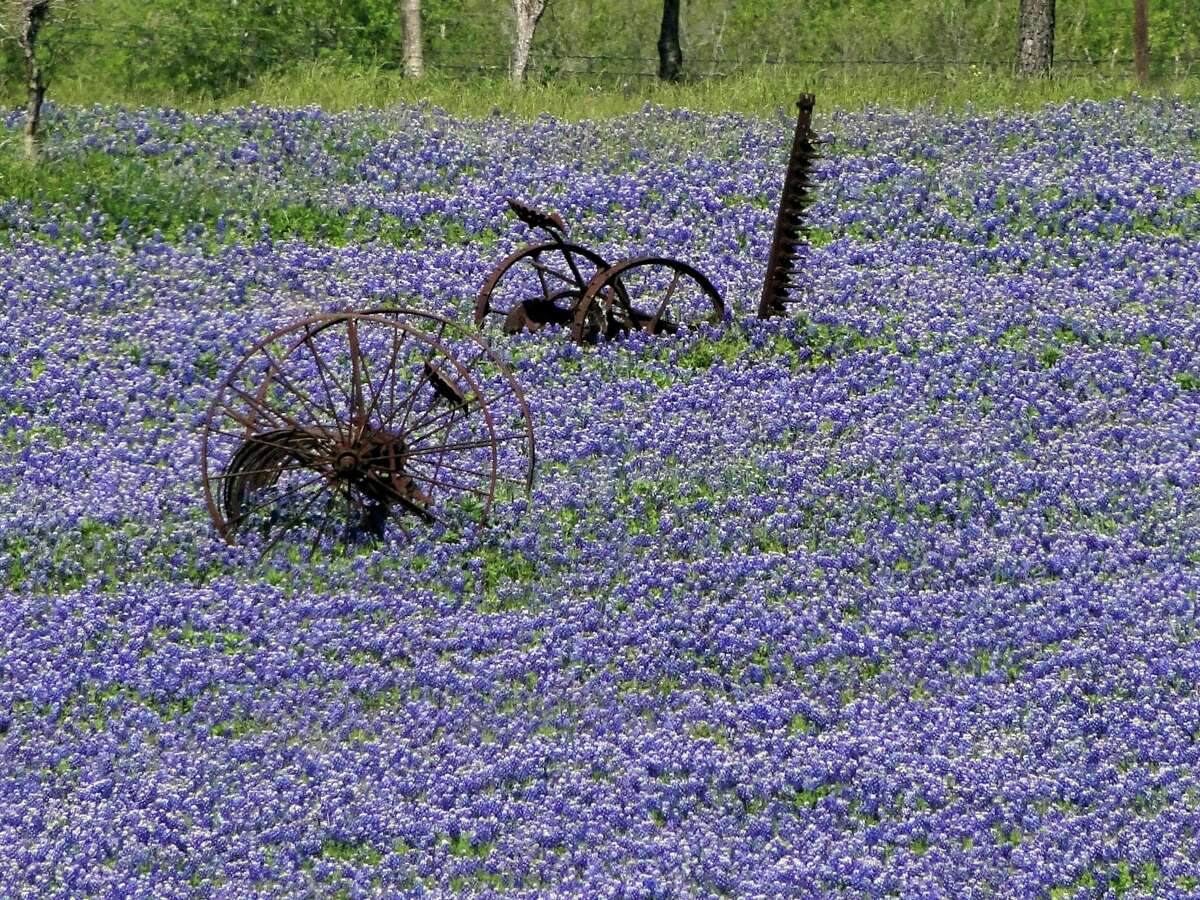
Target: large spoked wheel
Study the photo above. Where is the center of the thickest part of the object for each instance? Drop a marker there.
(536, 286)
(339, 428)
(655, 294)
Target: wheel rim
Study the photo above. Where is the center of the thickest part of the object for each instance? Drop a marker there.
(537, 285)
(338, 426)
(655, 294)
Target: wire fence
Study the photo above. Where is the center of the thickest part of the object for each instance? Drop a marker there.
(311, 41)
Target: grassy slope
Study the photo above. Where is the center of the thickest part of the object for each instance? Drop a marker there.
(94, 56)
(757, 92)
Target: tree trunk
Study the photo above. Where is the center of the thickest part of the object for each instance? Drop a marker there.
(33, 17)
(1141, 48)
(520, 57)
(414, 56)
(33, 113)
(670, 56)
(526, 13)
(1035, 48)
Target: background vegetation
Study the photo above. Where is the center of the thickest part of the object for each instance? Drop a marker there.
(200, 52)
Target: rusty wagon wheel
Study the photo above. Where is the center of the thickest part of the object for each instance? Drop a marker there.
(656, 294)
(337, 427)
(538, 285)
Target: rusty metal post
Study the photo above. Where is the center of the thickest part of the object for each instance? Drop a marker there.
(790, 230)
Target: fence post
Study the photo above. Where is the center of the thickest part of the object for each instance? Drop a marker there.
(1141, 49)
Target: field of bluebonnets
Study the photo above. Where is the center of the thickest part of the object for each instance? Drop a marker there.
(895, 596)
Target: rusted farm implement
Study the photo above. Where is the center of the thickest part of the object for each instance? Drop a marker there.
(335, 425)
(557, 282)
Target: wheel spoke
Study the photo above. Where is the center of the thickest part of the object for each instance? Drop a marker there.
(389, 375)
(321, 371)
(293, 521)
(312, 550)
(280, 468)
(241, 418)
(421, 460)
(403, 500)
(544, 270)
(662, 307)
(277, 368)
(352, 502)
(461, 445)
(450, 485)
(421, 423)
(441, 434)
(258, 439)
(259, 404)
(357, 423)
(411, 399)
(446, 414)
(431, 416)
(242, 514)
(397, 520)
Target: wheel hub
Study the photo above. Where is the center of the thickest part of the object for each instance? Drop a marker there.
(347, 462)
(375, 453)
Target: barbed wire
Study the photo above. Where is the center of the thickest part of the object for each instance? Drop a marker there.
(314, 39)
(153, 32)
(433, 55)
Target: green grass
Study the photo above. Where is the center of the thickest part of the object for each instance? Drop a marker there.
(140, 197)
(756, 91)
(350, 852)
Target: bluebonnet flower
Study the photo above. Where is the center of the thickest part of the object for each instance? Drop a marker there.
(897, 594)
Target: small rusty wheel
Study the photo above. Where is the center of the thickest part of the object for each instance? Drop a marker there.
(536, 286)
(655, 294)
(336, 427)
